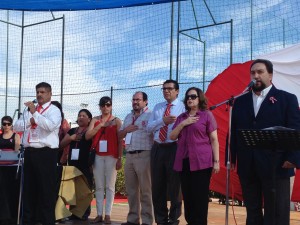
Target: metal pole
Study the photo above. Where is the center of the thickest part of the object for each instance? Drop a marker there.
(178, 28)
(111, 95)
(21, 62)
(204, 66)
(171, 41)
(251, 30)
(283, 27)
(6, 81)
(204, 44)
(62, 61)
(231, 41)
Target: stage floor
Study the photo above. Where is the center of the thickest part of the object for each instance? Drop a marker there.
(216, 215)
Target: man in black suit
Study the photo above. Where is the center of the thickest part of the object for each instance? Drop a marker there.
(263, 107)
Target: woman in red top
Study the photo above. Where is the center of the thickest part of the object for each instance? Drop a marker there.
(104, 129)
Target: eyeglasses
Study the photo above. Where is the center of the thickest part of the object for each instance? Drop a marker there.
(167, 88)
(193, 97)
(136, 100)
(6, 124)
(106, 104)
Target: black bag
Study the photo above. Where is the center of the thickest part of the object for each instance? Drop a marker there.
(92, 155)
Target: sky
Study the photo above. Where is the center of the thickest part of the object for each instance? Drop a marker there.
(128, 49)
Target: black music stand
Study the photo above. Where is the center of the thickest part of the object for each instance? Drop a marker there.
(275, 139)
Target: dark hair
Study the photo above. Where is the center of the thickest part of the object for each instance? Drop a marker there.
(176, 85)
(202, 99)
(8, 118)
(267, 63)
(105, 100)
(88, 113)
(43, 85)
(145, 96)
(59, 106)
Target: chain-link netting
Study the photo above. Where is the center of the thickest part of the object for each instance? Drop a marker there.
(85, 55)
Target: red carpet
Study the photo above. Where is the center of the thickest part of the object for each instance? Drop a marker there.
(119, 199)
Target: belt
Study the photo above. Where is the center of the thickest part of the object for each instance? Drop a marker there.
(167, 144)
(37, 149)
(135, 152)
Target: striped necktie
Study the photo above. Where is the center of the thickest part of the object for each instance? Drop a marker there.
(164, 130)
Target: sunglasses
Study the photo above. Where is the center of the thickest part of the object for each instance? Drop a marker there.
(6, 124)
(193, 97)
(106, 104)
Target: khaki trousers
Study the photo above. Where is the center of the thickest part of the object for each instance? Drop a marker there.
(138, 187)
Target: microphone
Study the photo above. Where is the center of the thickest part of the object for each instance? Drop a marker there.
(250, 85)
(33, 101)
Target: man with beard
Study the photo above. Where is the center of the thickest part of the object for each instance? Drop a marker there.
(263, 107)
(137, 166)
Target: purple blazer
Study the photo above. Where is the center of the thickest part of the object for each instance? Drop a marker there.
(194, 142)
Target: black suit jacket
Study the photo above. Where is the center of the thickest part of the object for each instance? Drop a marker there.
(283, 112)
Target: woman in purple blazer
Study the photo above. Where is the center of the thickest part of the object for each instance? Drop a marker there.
(197, 154)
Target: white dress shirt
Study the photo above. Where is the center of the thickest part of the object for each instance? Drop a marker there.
(156, 119)
(258, 99)
(48, 124)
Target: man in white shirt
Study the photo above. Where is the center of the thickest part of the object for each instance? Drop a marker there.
(137, 166)
(41, 141)
(165, 181)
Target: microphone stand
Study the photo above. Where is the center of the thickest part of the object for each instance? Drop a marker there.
(229, 102)
(21, 164)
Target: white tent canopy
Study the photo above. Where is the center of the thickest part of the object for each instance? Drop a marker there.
(286, 74)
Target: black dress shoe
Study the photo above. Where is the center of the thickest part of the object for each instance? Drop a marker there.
(129, 223)
(176, 222)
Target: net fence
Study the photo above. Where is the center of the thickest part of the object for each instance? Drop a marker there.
(85, 55)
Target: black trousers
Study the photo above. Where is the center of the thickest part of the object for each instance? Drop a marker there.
(257, 192)
(195, 190)
(40, 177)
(9, 194)
(165, 184)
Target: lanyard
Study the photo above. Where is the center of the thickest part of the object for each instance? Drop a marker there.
(135, 118)
(106, 120)
(34, 125)
(45, 109)
(79, 133)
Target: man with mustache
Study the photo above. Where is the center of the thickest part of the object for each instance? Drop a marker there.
(263, 107)
(137, 166)
(41, 141)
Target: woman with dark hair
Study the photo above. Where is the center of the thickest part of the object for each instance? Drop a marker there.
(197, 154)
(9, 141)
(79, 148)
(63, 129)
(104, 131)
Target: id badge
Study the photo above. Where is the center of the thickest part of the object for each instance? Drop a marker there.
(128, 138)
(34, 136)
(103, 146)
(75, 154)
